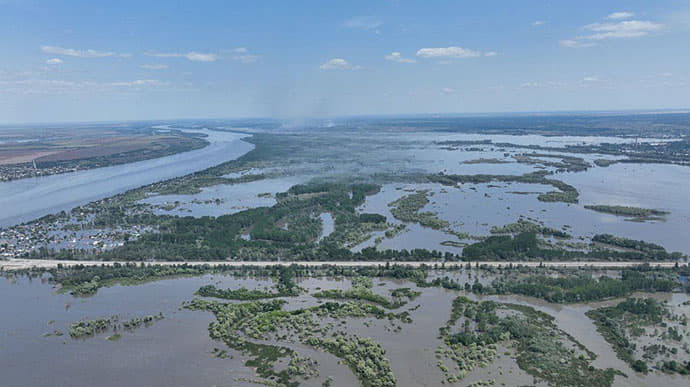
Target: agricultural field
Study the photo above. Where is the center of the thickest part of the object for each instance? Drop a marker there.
(31, 153)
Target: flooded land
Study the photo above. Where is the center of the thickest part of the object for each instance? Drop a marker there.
(419, 328)
(413, 252)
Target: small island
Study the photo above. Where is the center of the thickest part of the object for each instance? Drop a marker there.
(634, 214)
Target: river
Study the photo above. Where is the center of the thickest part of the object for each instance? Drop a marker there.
(27, 199)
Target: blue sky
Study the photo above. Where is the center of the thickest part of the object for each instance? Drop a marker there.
(122, 60)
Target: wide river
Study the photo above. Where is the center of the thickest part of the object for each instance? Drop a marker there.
(27, 199)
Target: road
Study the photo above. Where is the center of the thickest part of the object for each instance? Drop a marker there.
(18, 264)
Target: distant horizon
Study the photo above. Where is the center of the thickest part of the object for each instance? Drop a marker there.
(547, 113)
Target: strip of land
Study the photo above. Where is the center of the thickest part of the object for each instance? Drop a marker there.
(22, 264)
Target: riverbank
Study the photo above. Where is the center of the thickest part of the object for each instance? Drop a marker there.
(27, 199)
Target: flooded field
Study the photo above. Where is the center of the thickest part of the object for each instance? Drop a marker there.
(35, 347)
(349, 197)
(476, 208)
(223, 199)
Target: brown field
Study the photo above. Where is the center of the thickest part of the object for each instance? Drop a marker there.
(62, 148)
(22, 156)
(110, 146)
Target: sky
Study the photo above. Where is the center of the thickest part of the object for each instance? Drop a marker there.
(95, 60)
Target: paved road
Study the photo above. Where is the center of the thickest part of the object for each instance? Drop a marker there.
(16, 264)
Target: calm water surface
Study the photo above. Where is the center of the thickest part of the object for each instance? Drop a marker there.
(27, 199)
(177, 349)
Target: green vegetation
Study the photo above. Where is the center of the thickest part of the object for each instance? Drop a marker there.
(623, 323)
(636, 214)
(87, 288)
(651, 250)
(87, 328)
(543, 350)
(238, 324)
(526, 246)
(133, 274)
(361, 290)
(86, 280)
(405, 293)
(566, 163)
(229, 320)
(137, 322)
(566, 193)
(407, 209)
(243, 294)
(365, 357)
(527, 226)
(483, 160)
(604, 162)
(582, 287)
(504, 248)
(220, 238)
(285, 287)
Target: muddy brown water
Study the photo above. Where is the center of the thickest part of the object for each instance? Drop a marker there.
(177, 350)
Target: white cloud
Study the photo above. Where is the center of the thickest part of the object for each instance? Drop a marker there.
(364, 23)
(449, 52)
(452, 52)
(613, 30)
(241, 54)
(541, 85)
(50, 86)
(136, 83)
(55, 50)
(623, 29)
(448, 90)
(575, 43)
(538, 23)
(201, 57)
(54, 61)
(590, 79)
(193, 56)
(620, 15)
(245, 58)
(154, 66)
(527, 85)
(339, 64)
(397, 57)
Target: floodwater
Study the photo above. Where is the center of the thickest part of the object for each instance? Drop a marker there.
(178, 351)
(327, 224)
(470, 208)
(173, 351)
(27, 199)
(475, 208)
(224, 199)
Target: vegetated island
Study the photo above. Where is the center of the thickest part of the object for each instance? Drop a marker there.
(89, 328)
(643, 331)
(634, 214)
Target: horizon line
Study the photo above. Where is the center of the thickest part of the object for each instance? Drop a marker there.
(382, 115)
